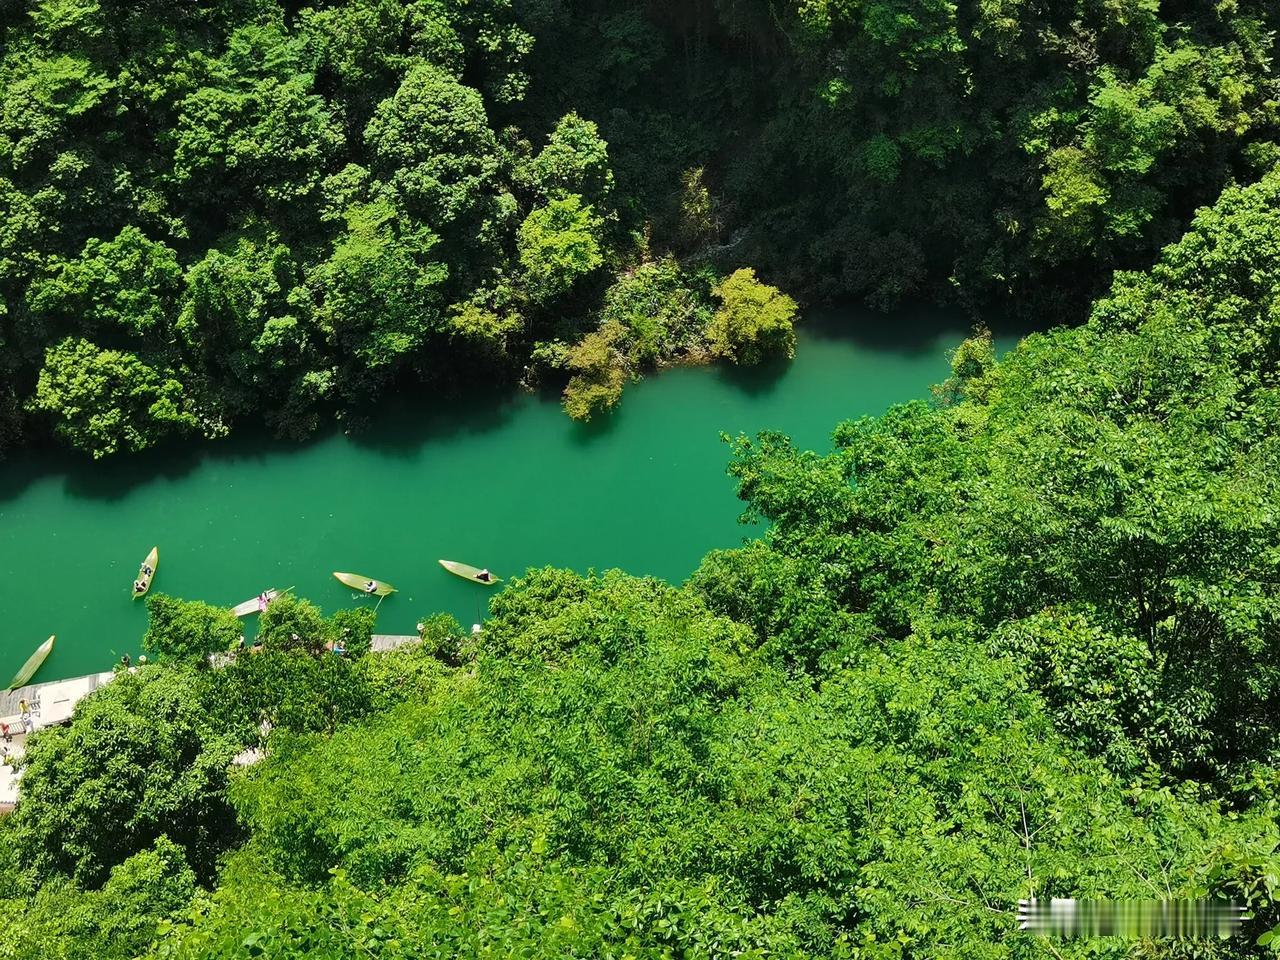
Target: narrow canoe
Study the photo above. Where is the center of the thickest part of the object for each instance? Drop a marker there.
(152, 561)
(356, 582)
(255, 605)
(23, 676)
(468, 572)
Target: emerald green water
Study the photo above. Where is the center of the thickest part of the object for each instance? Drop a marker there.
(506, 484)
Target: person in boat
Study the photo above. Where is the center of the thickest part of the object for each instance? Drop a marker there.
(146, 570)
(371, 586)
(484, 576)
(139, 586)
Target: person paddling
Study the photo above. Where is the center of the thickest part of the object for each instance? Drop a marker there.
(484, 576)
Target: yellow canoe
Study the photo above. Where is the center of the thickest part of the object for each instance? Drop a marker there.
(468, 572)
(23, 676)
(357, 582)
(152, 561)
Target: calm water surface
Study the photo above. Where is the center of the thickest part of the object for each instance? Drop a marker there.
(507, 484)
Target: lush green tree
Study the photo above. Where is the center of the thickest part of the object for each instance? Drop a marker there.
(189, 630)
(354, 628)
(292, 690)
(348, 49)
(290, 624)
(104, 401)
(487, 321)
(143, 758)
(123, 290)
(786, 602)
(901, 150)
(1098, 187)
(1100, 499)
(665, 311)
(699, 221)
(236, 320)
(431, 142)
(252, 123)
(443, 638)
(616, 744)
(116, 922)
(574, 161)
(754, 320)
(599, 372)
(377, 296)
(559, 245)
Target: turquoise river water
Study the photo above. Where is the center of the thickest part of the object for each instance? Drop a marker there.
(508, 484)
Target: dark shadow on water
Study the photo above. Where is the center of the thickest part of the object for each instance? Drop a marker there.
(108, 479)
(112, 479)
(583, 433)
(117, 480)
(414, 419)
(28, 467)
(407, 422)
(910, 331)
(757, 380)
(411, 416)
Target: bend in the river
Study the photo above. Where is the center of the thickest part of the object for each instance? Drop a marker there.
(507, 484)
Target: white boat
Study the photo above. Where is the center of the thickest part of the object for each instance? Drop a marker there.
(257, 604)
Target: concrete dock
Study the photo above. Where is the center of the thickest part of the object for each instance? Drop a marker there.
(47, 704)
(50, 702)
(382, 642)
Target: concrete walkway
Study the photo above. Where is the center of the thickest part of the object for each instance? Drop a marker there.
(382, 642)
(53, 703)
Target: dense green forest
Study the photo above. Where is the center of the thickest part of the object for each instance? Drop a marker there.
(252, 210)
(1021, 640)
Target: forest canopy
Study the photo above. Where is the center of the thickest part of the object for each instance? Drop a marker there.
(248, 210)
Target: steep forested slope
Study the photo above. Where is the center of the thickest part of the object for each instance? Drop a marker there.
(890, 148)
(251, 209)
(211, 212)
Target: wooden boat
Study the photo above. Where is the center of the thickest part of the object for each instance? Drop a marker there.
(257, 604)
(152, 561)
(23, 676)
(468, 572)
(356, 582)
